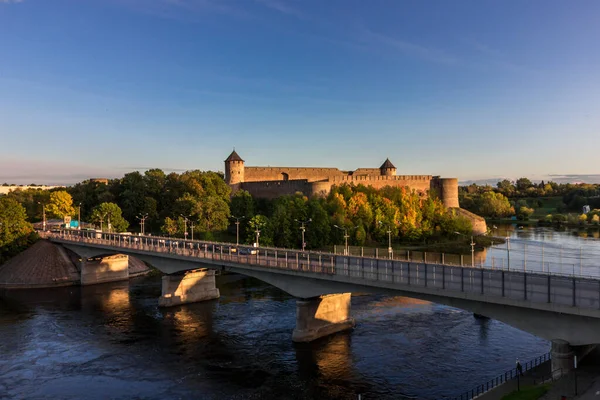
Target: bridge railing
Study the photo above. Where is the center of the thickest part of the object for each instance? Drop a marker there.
(573, 291)
(502, 378)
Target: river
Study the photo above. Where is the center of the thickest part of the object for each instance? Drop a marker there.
(112, 341)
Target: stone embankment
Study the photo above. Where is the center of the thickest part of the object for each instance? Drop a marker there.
(46, 265)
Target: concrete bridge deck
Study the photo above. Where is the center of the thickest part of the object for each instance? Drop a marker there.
(548, 305)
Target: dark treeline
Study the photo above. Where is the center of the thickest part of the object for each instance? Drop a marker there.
(175, 203)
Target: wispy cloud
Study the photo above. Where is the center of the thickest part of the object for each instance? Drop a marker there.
(10, 1)
(283, 7)
(494, 57)
(409, 48)
(184, 10)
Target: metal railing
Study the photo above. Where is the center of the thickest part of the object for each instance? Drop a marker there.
(533, 287)
(501, 379)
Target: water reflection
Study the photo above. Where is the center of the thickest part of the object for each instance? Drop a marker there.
(112, 340)
(546, 249)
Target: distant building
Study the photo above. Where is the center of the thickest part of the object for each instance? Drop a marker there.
(102, 181)
(8, 189)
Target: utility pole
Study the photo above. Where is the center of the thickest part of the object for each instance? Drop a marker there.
(43, 216)
(346, 236)
(237, 228)
(142, 219)
(472, 253)
(389, 232)
(303, 229)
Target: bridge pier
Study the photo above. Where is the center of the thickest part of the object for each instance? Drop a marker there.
(322, 316)
(563, 356)
(106, 269)
(191, 287)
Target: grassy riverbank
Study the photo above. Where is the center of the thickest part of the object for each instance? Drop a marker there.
(528, 393)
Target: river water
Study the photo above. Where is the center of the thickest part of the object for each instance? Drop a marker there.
(112, 341)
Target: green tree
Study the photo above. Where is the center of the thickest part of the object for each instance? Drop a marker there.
(108, 216)
(260, 223)
(169, 227)
(523, 184)
(61, 204)
(494, 205)
(524, 213)
(16, 234)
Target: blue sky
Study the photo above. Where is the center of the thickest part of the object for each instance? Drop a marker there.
(467, 89)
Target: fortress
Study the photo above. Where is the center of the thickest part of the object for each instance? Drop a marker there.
(272, 182)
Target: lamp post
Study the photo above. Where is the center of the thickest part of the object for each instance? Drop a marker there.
(303, 229)
(79, 217)
(192, 228)
(389, 232)
(472, 249)
(142, 219)
(237, 228)
(185, 220)
(346, 236)
(508, 251)
(257, 236)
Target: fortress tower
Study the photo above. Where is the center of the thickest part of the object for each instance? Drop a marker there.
(234, 169)
(387, 168)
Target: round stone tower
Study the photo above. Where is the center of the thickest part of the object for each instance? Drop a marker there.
(234, 169)
(387, 168)
(448, 188)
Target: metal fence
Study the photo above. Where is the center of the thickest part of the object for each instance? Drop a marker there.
(501, 379)
(563, 290)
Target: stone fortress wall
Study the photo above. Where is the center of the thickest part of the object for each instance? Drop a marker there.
(272, 182)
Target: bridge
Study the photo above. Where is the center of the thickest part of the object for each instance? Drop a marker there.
(558, 307)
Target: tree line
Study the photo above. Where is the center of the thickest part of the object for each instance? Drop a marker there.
(521, 197)
(172, 204)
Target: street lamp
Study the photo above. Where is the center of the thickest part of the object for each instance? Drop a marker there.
(79, 217)
(472, 249)
(237, 228)
(142, 219)
(185, 220)
(389, 232)
(192, 228)
(346, 236)
(303, 229)
(508, 251)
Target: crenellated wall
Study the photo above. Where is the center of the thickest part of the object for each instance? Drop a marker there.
(272, 182)
(259, 174)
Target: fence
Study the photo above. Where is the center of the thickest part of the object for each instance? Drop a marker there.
(502, 379)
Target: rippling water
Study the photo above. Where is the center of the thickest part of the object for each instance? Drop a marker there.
(112, 341)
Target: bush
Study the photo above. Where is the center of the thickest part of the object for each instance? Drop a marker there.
(559, 219)
(524, 213)
(583, 219)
